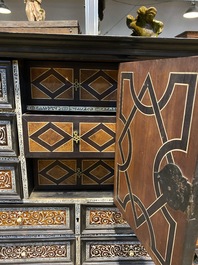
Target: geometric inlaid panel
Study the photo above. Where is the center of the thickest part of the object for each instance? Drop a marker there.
(71, 86)
(37, 218)
(156, 156)
(73, 173)
(37, 252)
(69, 136)
(6, 85)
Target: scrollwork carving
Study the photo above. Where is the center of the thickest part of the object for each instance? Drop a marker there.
(117, 250)
(33, 252)
(33, 218)
(5, 179)
(106, 217)
(3, 135)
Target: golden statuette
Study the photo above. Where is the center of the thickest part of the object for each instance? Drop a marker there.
(145, 24)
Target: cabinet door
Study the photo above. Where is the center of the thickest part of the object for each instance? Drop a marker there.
(156, 156)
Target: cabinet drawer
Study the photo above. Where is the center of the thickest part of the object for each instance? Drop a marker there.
(69, 136)
(104, 220)
(77, 174)
(61, 252)
(6, 85)
(114, 252)
(66, 86)
(35, 218)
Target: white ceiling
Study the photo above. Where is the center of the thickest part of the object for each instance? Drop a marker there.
(169, 12)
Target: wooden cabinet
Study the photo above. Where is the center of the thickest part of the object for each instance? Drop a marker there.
(58, 97)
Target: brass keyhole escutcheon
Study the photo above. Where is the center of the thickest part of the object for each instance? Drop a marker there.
(76, 137)
(76, 85)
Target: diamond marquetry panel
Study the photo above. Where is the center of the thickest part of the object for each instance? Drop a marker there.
(51, 83)
(98, 84)
(97, 137)
(71, 86)
(73, 173)
(56, 136)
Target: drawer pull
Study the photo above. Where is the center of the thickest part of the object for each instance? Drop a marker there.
(131, 253)
(19, 220)
(23, 254)
(76, 137)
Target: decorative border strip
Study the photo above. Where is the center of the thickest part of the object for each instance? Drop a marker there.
(70, 108)
(20, 127)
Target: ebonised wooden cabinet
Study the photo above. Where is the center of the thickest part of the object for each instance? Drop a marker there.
(57, 145)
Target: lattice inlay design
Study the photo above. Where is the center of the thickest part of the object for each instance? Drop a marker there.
(50, 136)
(51, 83)
(106, 217)
(5, 179)
(117, 251)
(97, 84)
(33, 218)
(44, 251)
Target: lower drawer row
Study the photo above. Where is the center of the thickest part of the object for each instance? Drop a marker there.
(64, 252)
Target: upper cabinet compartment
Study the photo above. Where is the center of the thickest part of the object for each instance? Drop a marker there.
(66, 86)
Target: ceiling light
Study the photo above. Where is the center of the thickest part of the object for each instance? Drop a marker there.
(3, 8)
(192, 12)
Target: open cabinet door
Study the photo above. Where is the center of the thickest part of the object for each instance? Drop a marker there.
(156, 175)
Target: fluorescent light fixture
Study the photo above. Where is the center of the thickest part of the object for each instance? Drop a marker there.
(192, 12)
(3, 8)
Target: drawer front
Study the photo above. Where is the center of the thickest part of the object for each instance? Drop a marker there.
(10, 181)
(8, 139)
(104, 220)
(6, 85)
(35, 218)
(38, 252)
(73, 174)
(76, 136)
(114, 252)
(71, 86)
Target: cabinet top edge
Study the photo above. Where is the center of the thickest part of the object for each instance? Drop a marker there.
(92, 47)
